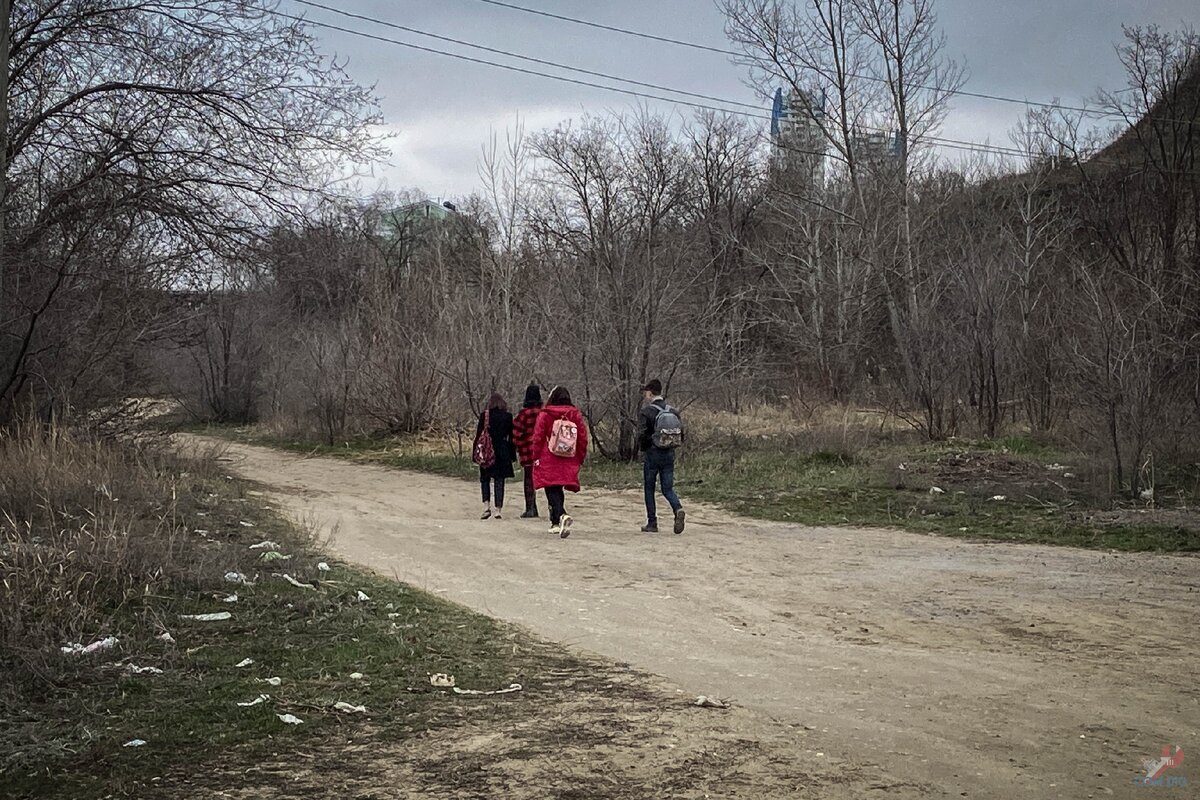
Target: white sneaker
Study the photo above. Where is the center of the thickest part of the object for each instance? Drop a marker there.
(566, 526)
(557, 529)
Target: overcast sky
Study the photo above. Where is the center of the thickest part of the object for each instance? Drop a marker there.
(442, 110)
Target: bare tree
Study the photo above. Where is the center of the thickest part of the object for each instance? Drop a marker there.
(180, 125)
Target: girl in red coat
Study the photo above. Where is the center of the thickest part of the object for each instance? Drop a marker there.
(560, 440)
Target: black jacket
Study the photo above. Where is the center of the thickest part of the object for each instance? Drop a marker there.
(648, 417)
(501, 428)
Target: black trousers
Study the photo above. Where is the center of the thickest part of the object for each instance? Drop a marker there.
(485, 484)
(556, 496)
(530, 492)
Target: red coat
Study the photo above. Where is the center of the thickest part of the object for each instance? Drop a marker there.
(552, 470)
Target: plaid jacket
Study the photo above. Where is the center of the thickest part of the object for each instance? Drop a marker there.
(523, 435)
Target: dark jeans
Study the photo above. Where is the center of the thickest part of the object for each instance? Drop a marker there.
(485, 483)
(530, 492)
(659, 465)
(556, 496)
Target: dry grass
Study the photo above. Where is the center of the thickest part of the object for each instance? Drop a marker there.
(86, 525)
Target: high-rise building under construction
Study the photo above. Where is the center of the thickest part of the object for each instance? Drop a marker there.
(798, 143)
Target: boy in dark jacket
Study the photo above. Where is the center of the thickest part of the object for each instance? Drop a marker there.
(658, 463)
(523, 439)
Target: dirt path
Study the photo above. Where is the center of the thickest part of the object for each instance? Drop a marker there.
(961, 669)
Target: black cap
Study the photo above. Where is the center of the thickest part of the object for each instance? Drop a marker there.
(533, 396)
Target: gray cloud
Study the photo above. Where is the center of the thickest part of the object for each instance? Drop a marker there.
(443, 110)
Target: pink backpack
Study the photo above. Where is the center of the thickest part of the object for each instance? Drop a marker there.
(563, 438)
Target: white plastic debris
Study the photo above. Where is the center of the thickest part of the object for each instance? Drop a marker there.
(266, 544)
(136, 670)
(362, 596)
(513, 687)
(321, 565)
(1068, 474)
(262, 698)
(297, 583)
(288, 719)
(349, 709)
(217, 617)
(1146, 494)
(275, 555)
(200, 531)
(356, 676)
(245, 524)
(245, 662)
(76, 649)
(135, 743)
(902, 468)
(704, 701)
(936, 490)
(167, 637)
(441, 679)
(237, 577)
(233, 598)
(271, 681)
(999, 498)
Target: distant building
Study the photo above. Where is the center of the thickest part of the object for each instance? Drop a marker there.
(409, 220)
(877, 148)
(798, 142)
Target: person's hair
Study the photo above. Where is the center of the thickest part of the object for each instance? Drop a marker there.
(654, 386)
(533, 396)
(496, 402)
(560, 397)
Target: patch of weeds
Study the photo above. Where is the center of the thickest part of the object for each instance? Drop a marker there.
(65, 737)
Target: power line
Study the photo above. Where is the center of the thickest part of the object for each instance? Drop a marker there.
(737, 54)
(521, 57)
(954, 144)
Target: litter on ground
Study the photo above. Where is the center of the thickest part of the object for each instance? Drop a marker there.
(237, 577)
(262, 698)
(321, 565)
(936, 490)
(362, 596)
(245, 524)
(135, 743)
(271, 681)
(266, 544)
(999, 498)
(245, 662)
(217, 617)
(233, 598)
(349, 709)
(297, 583)
(134, 669)
(76, 649)
(356, 676)
(704, 701)
(275, 555)
(515, 687)
(441, 679)
(288, 719)
(167, 637)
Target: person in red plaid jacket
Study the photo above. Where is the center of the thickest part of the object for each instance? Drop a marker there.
(523, 438)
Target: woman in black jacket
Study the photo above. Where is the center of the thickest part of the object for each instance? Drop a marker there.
(500, 429)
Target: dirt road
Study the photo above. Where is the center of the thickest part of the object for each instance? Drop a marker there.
(959, 668)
